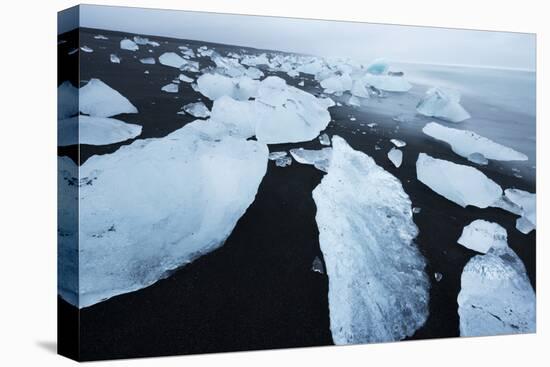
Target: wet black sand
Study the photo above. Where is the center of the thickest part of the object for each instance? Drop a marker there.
(257, 291)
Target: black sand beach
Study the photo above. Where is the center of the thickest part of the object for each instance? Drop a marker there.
(258, 291)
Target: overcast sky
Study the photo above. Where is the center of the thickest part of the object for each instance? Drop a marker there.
(361, 41)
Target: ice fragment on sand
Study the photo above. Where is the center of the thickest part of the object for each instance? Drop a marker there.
(170, 88)
(283, 161)
(100, 37)
(115, 59)
(172, 59)
(525, 206)
(276, 155)
(481, 235)
(148, 60)
(129, 45)
(478, 158)
(86, 49)
(438, 277)
(155, 205)
(461, 184)
(496, 296)
(184, 78)
(396, 157)
(443, 104)
(320, 159)
(465, 143)
(100, 100)
(317, 265)
(324, 139)
(378, 289)
(398, 143)
(197, 109)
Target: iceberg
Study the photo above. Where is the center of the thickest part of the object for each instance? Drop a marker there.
(466, 143)
(324, 139)
(155, 205)
(443, 104)
(320, 159)
(496, 296)
(172, 59)
(197, 109)
(396, 157)
(94, 131)
(337, 83)
(115, 59)
(378, 288)
(148, 60)
(481, 235)
(99, 100)
(129, 45)
(170, 88)
(463, 185)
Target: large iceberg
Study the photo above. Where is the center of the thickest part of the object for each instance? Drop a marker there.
(461, 184)
(378, 289)
(466, 143)
(99, 100)
(279, 114)
(94, 131)
(496, 296)
(481, 235)
(156, 205)
(443, 104)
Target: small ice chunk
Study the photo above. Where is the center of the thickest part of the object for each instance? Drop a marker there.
(396, 157)
(352, 118)
(398, 143)
(184, 78)
(73, 51)
(463, 185)
(129, 45)
(317, 265)
(197, 109)
(94, 131)
(465, 143)
(416, 210)
(86, 49)
(172, 59)
(354, 101)
(378, 288)
(98, 99)
(403, 117)
(496, 296)
(148, 60)
(283, 161)
(372, 124)
(481, 235)
(324, 139)
(387, 83)
(215, 86)
(100, 37)
(478, 158)
(301, 84)
(115, 59)
(320, 159)
(443, 104)
(273, 156)
(438, 277)
(337, 83)
(170, 88)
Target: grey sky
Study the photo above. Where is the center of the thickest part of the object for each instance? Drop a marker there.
(361, 41)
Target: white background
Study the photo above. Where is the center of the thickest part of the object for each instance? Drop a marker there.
(28, 182)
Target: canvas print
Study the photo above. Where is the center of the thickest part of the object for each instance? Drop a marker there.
(235, 183)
